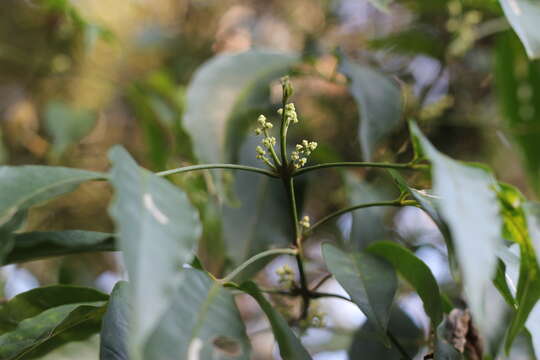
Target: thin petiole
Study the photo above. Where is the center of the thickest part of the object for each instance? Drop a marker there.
(218, 166)
(255, 258)
(406, 166)
(395, 203)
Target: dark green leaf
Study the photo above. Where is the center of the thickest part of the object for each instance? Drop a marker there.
(379, 101)
(523, 15)
(157, 231)
(366, 344)
(416, 272)
(37, 245)
(475, 225)
(202, 323)
(114, 329)
(37, 321)
(25, 186)
(33, 302)
(370, 282)
(290, 346)
(50, 329)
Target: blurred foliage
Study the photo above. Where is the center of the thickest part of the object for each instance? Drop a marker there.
(77, 77)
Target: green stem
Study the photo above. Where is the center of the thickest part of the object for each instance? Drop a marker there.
(316, 295)
(272, 151)
(255, 258)
(396, 203)
(304, 290)
(283, 135)
(321, 282)
(217, 166)
(359, 164)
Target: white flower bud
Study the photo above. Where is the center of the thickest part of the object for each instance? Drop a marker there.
(262, 120)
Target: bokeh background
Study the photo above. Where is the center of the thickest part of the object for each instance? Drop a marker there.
(77, 77)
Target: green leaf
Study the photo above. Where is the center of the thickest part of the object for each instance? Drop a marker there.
(516, 230)
(157, 231)
(532, 213)
(523, 15)
(379, 102)
(7, 234)
(67, 125)
(290, 346)
(37, 245)
(516, 272)
(25, 186)
(224, 82)
(401, 326)
(33, 302)
(370, 282)
(518, 93)
(416, 272)
(50, 329)
(114, 329)
(368, 224)
(533, 325)
(202, 323)
(475, 225)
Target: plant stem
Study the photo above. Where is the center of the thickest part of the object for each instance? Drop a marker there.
(316, 295)
(304, 290)
(283, 134)
(218, 166)
(359, 164)
(324, 220)
(272, 151)
(253, 259)
(398, 346)
(321, 282)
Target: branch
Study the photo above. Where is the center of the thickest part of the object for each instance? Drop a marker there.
(407, 166)
(253, 259)
(218, 166)
(395, 203)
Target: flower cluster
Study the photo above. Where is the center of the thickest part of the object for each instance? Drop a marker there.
(315, 317)
(304, 223)
(268, 141)
(286, 276)
(302, 152)
(290, 115)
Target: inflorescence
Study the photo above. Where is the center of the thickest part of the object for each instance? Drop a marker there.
(299, 156)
